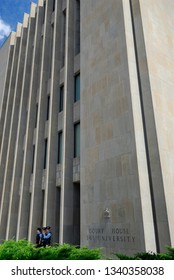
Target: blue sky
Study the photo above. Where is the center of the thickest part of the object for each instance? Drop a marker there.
(11, 12)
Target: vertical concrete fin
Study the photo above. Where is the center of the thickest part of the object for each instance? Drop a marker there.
(27, 177)
(66, 225)
(33, 9)
(147, 216)
(40, 3)
(18, 29)
(12, 38)
(25, 20)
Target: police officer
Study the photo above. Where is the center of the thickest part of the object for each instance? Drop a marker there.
(47, 236)
(43, 240)
(38, 237)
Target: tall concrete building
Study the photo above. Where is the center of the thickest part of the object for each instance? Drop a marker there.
(87, 115)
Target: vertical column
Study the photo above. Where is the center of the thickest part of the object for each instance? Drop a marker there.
(145, 195)
(10, 96)
(158, 199)
(18, 159)
(6, 160)
(5, 95)
(6, 84)
(50, 186)
(66, 215)
(13, 129)
(24, 202)
(37, 195)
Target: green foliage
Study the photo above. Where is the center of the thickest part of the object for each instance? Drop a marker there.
(66, 252)
(61, 252)
(152, 256)
(24, 250)
(16, 250)
(124, 257)
(85, 254)
(169, 255)
(170, 252)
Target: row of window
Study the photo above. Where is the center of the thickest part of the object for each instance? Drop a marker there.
(60, 145)
(76, 92)
(76, 143)
(63, 31)
(61, 98)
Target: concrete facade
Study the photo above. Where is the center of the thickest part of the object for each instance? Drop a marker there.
(111, 185)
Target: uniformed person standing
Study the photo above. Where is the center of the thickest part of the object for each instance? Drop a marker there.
(38, 237)
(47, 236)
(43, 240)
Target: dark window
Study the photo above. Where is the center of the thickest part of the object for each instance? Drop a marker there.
(76, 212)
(57, 211)
(54, 5)
(77, 88)
(63, 37)
(45, 154)
(36, 115)
(61, 96)
(42, 207)
(59, 159)
(48, 107)
(44, 9)
(77, 140)
(51, 50)
(32, 168)
(77, 27)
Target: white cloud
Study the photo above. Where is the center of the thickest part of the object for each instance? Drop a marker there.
(5, 29)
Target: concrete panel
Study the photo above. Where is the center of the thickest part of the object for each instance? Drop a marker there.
(157, 24)
(111, 216)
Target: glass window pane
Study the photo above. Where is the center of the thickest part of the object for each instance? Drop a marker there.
(32, 168)
(48, 107)
(77, 140)
(77, 27)
(61, 98)
(36, 116)
(77, 88)
(45, 155)
(59, 160)
(53, 5)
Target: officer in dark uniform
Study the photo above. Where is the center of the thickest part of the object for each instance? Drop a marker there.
(43, 240)
(47, 236)
(38, 237)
